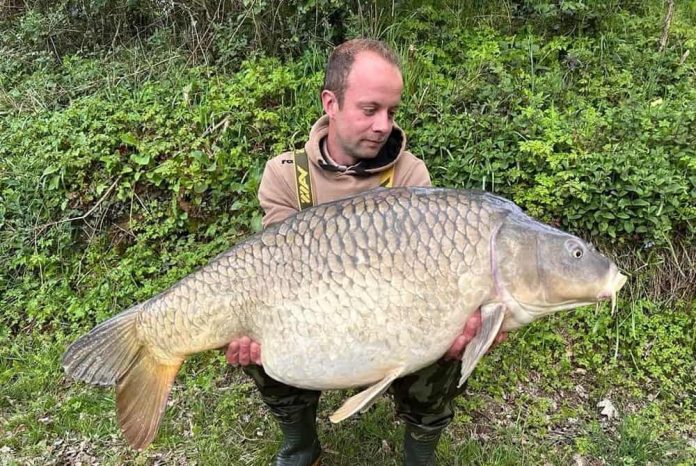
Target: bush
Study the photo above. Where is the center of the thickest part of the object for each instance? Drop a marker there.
(576, 137)
(122, 173)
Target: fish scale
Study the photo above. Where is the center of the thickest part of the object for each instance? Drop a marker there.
(357, 292)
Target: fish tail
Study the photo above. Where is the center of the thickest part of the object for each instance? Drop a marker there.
(112, 354)
(105, 354)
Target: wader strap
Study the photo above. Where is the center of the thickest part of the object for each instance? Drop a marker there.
(386, 179)
(303, 181)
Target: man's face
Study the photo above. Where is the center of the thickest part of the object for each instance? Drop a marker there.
(362, 124)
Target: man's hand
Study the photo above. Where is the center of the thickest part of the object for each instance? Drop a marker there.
(244, 352)
(473, 325)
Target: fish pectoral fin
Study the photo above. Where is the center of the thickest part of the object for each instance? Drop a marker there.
(491, 319)
(141, 397)
(365, 398)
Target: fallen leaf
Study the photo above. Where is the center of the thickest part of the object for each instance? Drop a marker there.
(608, 409)
(386, 448)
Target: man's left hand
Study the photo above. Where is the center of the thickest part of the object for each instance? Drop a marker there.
(472, 327)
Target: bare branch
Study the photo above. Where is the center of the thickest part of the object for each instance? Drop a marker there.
(84, 216)
(683, 58)
(666, 24)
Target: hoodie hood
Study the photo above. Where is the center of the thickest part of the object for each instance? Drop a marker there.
(385, 159)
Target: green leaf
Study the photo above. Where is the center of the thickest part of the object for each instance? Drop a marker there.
(55, 181)
(200, 187)
(50, 169)
(128, 138)
(256, 224)
(140, 159)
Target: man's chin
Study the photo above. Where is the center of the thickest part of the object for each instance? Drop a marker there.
(367, 154)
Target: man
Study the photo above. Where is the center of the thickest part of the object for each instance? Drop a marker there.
(354, 147)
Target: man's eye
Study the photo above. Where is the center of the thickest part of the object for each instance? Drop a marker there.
(369, 111)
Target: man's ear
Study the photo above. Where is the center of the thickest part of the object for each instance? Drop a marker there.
(329, 102)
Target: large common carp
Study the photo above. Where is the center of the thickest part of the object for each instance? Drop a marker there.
(352, 293)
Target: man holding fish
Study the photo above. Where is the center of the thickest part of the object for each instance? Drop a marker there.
(370, 290)
(354, 147)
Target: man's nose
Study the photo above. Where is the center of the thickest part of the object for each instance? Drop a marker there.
(381, 123)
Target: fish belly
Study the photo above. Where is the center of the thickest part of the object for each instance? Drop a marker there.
(350, 348)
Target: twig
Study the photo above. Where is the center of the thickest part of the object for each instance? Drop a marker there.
(666, 24)
(113, 41)
(128, 232)
(683, 58)
(84, 216)
(55, 50)
(212, 129)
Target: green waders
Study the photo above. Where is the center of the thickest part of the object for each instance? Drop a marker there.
(424, 401)
(295, 410)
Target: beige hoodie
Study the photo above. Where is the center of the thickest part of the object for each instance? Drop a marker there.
(329, 182)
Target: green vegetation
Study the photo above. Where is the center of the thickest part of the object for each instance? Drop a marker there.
(133, 135)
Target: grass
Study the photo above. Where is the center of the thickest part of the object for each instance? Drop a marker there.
(526, 404)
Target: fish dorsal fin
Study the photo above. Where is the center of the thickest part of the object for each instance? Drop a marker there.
(365, 398)
(491, 319)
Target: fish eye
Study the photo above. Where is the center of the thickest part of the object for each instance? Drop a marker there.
(575, 248)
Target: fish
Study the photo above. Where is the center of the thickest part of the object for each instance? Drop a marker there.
(352, 293)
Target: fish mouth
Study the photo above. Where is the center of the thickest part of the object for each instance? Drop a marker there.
(614, 286)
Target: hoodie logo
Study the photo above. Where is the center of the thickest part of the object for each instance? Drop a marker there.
(303, 180)
(386, 178)
(303, 185)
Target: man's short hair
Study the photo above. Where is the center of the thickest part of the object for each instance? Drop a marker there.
(342, 58)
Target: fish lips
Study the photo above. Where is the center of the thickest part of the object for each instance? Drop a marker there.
(614, 286)
(617, 281)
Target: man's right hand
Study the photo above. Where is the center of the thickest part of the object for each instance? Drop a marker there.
(243, 351)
